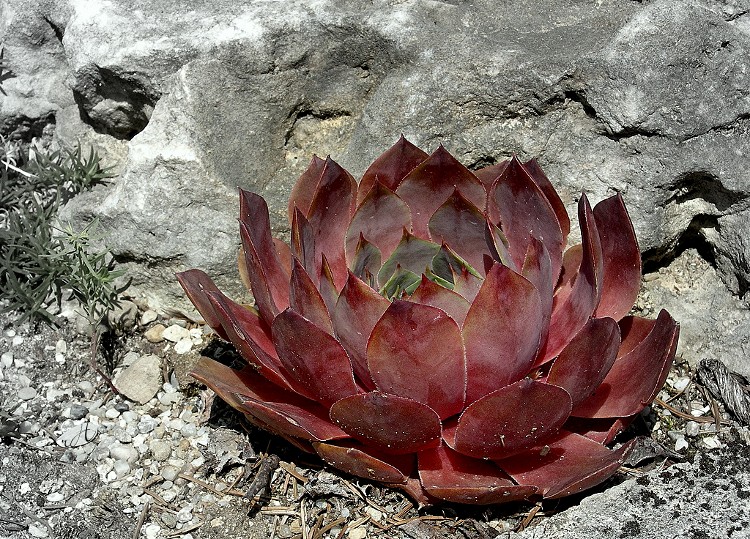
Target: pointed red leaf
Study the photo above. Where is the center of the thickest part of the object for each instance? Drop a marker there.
(603, 431)
(431, 293)
(357, 311)
(467, 285)
(388, 422)
(248, 333)
(381, 218)
(366, 262)
(633, 329)
(497, 245)
(256, 228)
(306, 300)
(330, 213)
(569, 464)
(197, 285)
(282, 411)
(621, 258)
(303, 243)
(523, 211)
(304, 190)
(571, 264)
(488, 175)
(501, 332)
(317, 365)
(540, 178)
(430, 184)
(537, 268)
(461, 225)
(453, 477)
(412, 254)
(284, 253)
(586, 360)
(511, 419)
(636, 377)
(328, 290)
(391, 167)
(571, 310)
(416, 351)
(363, 462)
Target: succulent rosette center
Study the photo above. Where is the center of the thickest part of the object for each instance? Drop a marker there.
(429, 328)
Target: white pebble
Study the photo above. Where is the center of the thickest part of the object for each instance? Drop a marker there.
(38, 531)
(6, 359)
(174, 333)
(121, 468)
(26, 393)
(17, 340)
(680, 444)
(160, 450)
(148, 317)
(711, 442)
(152, 531)
(125, 452)
(61, 347)
(111, 413)
(169, 473)
(183, 346)
(55, 497)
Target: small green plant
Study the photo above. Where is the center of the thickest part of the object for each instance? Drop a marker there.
(38, 262)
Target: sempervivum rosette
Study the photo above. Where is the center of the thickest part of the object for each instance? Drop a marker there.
(428, 328)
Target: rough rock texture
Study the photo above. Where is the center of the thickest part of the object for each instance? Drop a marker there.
(193, 100)
(707, 498)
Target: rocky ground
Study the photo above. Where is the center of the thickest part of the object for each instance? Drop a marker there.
(78, 460)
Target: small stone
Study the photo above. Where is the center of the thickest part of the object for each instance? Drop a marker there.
(711, 442)
(17, 341)
(121, 468)
(148, 316)
(125, 452)
(155, 334)
(38, 531)
(61, 347)
(169, 473)
(160, 451)
(122, 407)
(129, 358)
(183, 346)
(174, 333)
(680, 444)
(692, 428)
(357, 533)
(147, 424)
(152, 531)
(168, 520)
(142, 380)
(26, 393)
(111, 413)
(55, 497)
(6, 359)
(78, 435)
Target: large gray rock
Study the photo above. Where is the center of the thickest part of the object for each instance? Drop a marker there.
(194, 100)
(706, 498)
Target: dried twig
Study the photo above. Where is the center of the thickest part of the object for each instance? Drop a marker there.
(528, 518)
(729, 387)
(262, 479)
(141, 520)
(679, 413)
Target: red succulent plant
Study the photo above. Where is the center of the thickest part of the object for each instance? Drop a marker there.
(428, 329)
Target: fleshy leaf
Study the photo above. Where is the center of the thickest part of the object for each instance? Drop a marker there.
(461, 225)
(363, 462)
(467, 284)
(523, 211)
(447, 263)
(569, 464)
(284, 253)
(572, 309)
(328, 290)
(571, 264)
(497, 245)
(488, 175)
(358, 309)
(317, 366)
(303, 243)
(330, 213)
(367, 261)
(304, 190)
(402, 282)
(537, 268)
(380, 218)
(430, 184)
(453, 477)
(388, 422)
(621, 258)
(416, 351)
(501, 332)
(256, 222)
(391, 167)
(412, 254)
(283, 411)
(511, 419)
(248, 333)
(431, 293)
(540, 178)
(306, 300)
(603, 431)
(197, 285)
(636, 377)
(586, 360)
